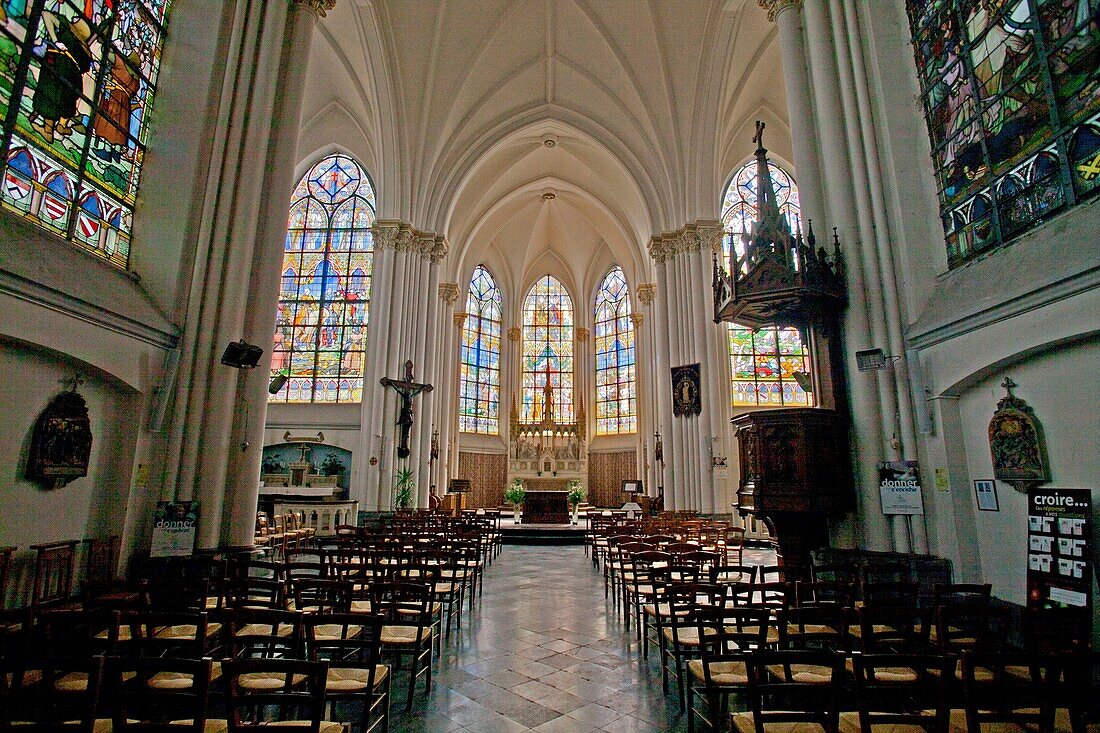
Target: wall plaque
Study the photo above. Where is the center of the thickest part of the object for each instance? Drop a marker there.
(61, 442)
(1016, 443)
(686, 399)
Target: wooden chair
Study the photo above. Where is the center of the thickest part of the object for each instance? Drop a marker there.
(54, 565)
(101, 559)
(891, 629)
(352, 646)
(728, 574)
(1010, 688)
(678, 630)
(322, 595)
(406, 609)
(961, 617)
(50, 693)
(903, 691)
(265, 633)
(807, 682)
(292, 697)
(158, 694)
(177, 634)
(729, 636)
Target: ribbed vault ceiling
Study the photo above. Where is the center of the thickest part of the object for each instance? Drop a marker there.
(648, 105)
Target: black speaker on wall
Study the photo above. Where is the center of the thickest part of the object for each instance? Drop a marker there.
(242, 355)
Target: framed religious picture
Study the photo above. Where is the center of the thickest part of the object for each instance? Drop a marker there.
(686, 398)
(61, 443)
(1016, 443)
(985, 491)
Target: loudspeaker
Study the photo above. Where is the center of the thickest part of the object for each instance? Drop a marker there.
(163, 391)
(241, 355)
(922, 406)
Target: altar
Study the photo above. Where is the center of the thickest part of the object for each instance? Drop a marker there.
(546, 507)
(545, 453)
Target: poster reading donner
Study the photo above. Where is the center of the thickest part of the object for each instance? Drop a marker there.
(174, 524)
(1059, 559)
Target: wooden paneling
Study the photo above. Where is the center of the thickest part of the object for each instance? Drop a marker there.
(606, 473)
(487, 473)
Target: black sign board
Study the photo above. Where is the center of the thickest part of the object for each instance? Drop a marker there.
(1059, 556)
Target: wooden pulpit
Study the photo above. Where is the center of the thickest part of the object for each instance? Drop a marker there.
(795, 474)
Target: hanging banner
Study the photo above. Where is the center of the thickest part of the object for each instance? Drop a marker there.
(1059, 559)
(899, 488)
(174, 525)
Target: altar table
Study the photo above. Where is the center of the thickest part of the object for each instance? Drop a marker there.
(546, 507)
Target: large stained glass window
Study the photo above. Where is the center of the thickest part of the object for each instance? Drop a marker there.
(321, 329)
(547, 351)
(1011, 93)
(479, 393)
(739, 204)
(76, 83)
(616, 396)
(762, 364)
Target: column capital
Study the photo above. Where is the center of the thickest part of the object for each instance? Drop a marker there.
(647, 292)
(514, 333)
(401, 236)
(448, 292)
(319, 8)
(692, 237)
(582, 334)
(460, 318)
(776, 8)
(637, 319)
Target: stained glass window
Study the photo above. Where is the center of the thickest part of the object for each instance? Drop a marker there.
(762, 364)
(739, 204)
(76, 82)
(324, 300)
(1011, 94)
(616, 396)
(479, 395)
(547, 351)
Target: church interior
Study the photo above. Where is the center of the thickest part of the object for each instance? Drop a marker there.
(782, 304)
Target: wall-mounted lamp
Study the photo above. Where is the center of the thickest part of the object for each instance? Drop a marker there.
(872, 360)
(278, 382)
(242, 355)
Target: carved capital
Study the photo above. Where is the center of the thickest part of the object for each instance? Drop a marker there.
(704, 234)
(582, 334)
(401, 236)
(448, 292)
(647, 292)
(514, 333)
(460, 318)
(637, 319)
(318, 7)
(776, 8)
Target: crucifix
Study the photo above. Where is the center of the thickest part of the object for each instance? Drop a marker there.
(407, 389)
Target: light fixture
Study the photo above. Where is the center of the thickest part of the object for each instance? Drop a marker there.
(242, 355)
(870, 360)
(803, 380)
(278, 382)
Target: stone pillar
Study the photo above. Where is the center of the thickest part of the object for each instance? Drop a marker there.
(445, 416)
(216, 432)
(787, 15)
(583, 382)
(649, 404)
(684, 337)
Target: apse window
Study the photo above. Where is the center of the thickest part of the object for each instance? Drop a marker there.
(76, 87)
(547, 353)
(324, 297)
(616, 395)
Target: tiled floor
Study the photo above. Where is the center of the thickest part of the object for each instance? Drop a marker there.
(543, 652)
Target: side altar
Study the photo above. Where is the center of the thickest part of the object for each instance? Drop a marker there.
(544, 453)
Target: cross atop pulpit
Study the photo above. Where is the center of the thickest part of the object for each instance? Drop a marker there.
(407, 389)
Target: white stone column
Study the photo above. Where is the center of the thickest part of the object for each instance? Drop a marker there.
(443, 417)
(869, 441)
(216, 432)
(649, 405)
(787, 15)
(583, 381)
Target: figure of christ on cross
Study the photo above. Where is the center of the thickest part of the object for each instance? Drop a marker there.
(407, 389)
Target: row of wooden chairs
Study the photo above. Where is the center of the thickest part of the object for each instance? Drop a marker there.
(283, 532)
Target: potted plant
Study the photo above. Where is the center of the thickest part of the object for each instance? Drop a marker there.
(403, 489)
(514, 496)
(576, 495)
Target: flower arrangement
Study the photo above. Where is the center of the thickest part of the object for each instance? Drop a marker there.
(515, 493)
(577, 494)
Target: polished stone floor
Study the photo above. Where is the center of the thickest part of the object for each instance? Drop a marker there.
(543, 651)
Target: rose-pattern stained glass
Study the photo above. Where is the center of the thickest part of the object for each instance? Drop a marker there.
(739, 205)
(77, 79)
(547, 351)
(1008, 87)
(479, 391)
(616, 390)
(324, 297)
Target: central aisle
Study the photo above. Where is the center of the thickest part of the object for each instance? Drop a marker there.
(542, 652)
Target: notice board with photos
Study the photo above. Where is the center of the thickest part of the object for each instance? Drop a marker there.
(1059, 542)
